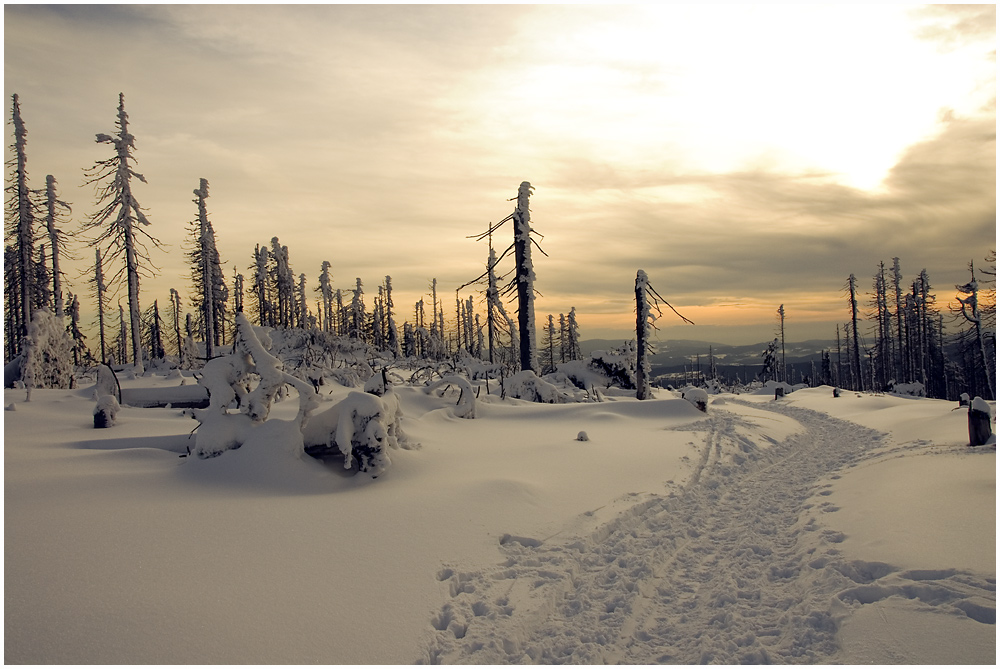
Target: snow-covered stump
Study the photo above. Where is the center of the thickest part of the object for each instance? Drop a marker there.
(106, 411)
(980, 429)
(696, 396)
(108, 394)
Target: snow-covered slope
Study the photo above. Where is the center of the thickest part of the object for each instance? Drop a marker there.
(810, 529)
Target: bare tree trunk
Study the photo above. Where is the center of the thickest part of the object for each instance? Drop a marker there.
(25, 219)
(856, 353)
(50, 223)
(525, 279)
(643, 390)
(100, 288)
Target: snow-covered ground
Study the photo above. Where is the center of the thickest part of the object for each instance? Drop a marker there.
(815, 529)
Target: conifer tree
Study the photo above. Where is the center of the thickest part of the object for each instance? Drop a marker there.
(122, 343)
(856, 347)
(901, 355)
(392, 343)
(100, 295)
(117, 216)
(550, 345)
(206, 270)
(525, 279)
(573, 330)
(647, 300)
(12, 302)
(968, 308)
(259, 286)
(783, 370)
(357, 320)
(41, 293)
(175, 317)
(154, 329)
(55, 211)
(20, 220)
(80, 352)
(326, 291)
(237, 292)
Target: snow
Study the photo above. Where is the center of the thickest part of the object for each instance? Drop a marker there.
(811, 529)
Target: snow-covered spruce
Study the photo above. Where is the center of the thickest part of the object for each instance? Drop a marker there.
(47, 353)
(118, 215)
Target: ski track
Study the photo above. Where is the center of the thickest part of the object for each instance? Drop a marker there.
(716, 573)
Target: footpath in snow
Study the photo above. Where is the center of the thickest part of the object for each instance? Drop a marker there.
(737, 567)
(806, 530)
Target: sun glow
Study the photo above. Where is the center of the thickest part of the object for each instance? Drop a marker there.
(815, 91)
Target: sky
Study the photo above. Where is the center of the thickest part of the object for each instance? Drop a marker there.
(743, 156)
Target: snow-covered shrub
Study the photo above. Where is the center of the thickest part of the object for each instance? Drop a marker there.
(48, 353)
(769, 387)
(314, 355)
(580, 374)
(696, 396)
(466, 406)
(227, 378)
(360, 428)
(915, 389)
(617, 364)
(526, 386)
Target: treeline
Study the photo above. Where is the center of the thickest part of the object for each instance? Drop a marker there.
(897, 334)
(275, 296)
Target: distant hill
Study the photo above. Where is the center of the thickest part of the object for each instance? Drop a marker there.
(675, 356)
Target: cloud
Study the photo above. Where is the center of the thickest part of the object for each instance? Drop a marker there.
(380, 137)
(953, 26)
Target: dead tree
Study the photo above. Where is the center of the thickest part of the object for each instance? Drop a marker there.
(647, 300)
